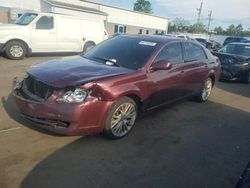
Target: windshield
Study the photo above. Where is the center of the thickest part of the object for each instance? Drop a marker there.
(26, 19)
(237, 49)
(126, 52)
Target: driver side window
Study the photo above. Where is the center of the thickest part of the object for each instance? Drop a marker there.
(45, 23)
(171, 52)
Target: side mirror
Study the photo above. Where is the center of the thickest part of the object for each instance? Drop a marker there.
(161, 65)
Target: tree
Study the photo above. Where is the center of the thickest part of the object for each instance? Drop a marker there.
(231, 30)
(171, 27)
(197, 28)
(239, 30)
(143, 6)
(219, 30)
(181, 25)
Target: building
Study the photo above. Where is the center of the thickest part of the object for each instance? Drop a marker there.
(117, 20)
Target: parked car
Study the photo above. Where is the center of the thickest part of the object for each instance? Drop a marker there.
(178, 36)
(235, 39)
(211, 45)
(47, 32)
(235, 62)
(105, 89)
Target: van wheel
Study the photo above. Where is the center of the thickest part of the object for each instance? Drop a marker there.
(15, 50)
(121, 118)
(88, 46)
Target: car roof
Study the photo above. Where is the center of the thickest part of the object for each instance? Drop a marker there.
(240, 43)
(236, 37)
(154, 38)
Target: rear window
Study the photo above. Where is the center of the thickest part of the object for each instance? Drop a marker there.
(193, 52)
(128, 52)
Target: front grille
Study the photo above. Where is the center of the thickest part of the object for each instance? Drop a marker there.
(35, 90)
(48, 122)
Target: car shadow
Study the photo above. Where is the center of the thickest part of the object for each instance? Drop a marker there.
(235, 87)
(51, 54)
(187, 145)
(59, 54)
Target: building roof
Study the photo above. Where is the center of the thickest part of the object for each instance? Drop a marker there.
(75, 7)
(124, 9)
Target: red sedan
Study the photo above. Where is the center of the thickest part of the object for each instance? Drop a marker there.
(105, 89)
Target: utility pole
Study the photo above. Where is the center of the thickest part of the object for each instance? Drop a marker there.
(199, 13)
(209, 21)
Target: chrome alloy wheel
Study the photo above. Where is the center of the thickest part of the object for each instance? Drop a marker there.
(123, 119)
(207, 89)
(16, 51)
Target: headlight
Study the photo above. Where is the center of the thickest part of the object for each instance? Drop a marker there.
(77, 96)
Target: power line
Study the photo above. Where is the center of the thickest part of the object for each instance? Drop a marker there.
(209, 20)
(199, 13)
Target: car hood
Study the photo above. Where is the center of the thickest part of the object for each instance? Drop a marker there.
(227, 55)
(72, 71)
(9, 26)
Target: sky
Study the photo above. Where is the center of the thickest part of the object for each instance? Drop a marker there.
(224, 12)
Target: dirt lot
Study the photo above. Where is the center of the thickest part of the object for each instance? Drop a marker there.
(184, 145)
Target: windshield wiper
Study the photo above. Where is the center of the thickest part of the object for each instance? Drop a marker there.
(108, 61)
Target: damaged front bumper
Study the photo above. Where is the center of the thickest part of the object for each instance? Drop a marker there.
(85, 118)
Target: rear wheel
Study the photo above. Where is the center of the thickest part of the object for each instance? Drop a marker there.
(88, 46)
(121, 118)
(15, 50)
(206, 91)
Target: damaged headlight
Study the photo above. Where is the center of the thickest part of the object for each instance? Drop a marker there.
(77, 96)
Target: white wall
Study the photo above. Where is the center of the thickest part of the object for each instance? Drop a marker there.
(21, 4)
(136, 19)
(77, 13)
(115, 15)
(126, 17)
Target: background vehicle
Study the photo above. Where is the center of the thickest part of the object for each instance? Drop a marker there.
(235, 61)
(212, 45)
(46, 32)
(105, 89)
(179, 36)
(235, 39)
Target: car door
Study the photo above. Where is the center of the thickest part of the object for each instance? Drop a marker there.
(195, 67)
(43, 35)
(168, 85)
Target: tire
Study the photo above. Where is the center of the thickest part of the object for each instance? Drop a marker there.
(15, 50)
(121, 118)
(88, 46)
(206, 91)
(245, 78)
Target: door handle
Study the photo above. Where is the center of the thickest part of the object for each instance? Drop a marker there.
(52, 33)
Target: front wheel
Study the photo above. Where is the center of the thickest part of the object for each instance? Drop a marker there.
(15, 50)
(121, 118)
(246, 77)
(206, 91)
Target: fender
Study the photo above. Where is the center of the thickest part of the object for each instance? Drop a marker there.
(17, 37)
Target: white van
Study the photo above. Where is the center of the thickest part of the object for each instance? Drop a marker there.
(47, 32)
